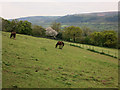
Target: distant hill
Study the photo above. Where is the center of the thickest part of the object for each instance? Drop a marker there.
(108, 17)
(40, 20)
(96, 21)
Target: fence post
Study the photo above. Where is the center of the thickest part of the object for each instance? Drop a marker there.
(102, 50)
(115, 55)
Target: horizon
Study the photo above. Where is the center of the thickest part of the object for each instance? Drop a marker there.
(63, 15)
(13, 10)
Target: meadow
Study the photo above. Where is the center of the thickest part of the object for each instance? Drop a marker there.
(108, 51)
(32, 62)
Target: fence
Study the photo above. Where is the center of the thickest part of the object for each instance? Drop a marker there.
(105, 51)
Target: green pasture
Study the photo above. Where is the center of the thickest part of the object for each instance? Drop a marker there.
(31, 62)
(110, 51)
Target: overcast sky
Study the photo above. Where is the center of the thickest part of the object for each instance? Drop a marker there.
(26, 8)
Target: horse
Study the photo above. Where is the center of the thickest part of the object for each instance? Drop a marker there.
(60, 43)
(13, 34)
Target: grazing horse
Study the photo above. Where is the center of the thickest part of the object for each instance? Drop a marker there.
(60, 43)
(13, 34)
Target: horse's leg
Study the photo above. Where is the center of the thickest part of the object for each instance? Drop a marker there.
(15, 36)
(10, 35)
(62, 47)
(63, 44)
(56, 45)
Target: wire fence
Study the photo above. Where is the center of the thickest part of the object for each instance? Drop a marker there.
(101, 50)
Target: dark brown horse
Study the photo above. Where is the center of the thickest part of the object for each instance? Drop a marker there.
(60, 43)
(13, 34)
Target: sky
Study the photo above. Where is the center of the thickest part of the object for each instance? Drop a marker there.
(11, 9)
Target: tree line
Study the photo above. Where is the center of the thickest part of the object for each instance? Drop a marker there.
(84, 35)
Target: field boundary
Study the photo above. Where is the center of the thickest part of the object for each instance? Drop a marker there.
(92, 49)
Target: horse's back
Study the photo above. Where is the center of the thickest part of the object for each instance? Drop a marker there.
(59, 42)
(13, 32)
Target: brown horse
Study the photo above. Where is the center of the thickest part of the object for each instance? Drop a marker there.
(13, 34)
(60, 43)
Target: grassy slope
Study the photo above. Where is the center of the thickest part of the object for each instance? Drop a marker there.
(110, 51)
(35, 63)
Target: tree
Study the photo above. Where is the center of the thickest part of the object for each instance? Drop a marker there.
(25, 27)
(51, 32)
(96, 38)
(15, 25)
(59, 35)
(6, 25)
(72, 33)
(86, 35)
(38, 31)
(105, 38)
(56, 26)
(109, 38)
(86, 31)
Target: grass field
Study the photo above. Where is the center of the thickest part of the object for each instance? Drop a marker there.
(110, 51)
(31, 62)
